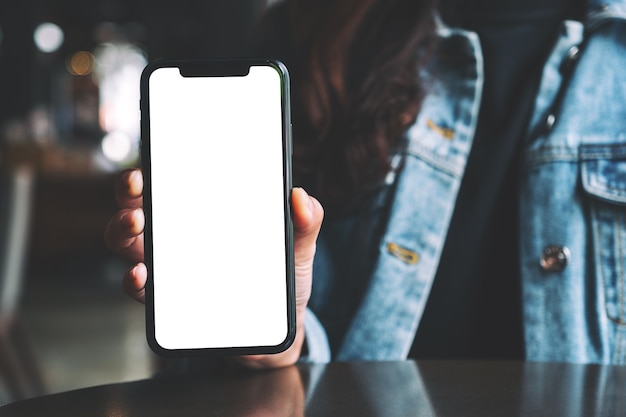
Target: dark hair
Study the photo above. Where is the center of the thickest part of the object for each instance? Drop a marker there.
(355, 89)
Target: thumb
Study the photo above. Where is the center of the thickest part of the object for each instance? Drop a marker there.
(308, 215)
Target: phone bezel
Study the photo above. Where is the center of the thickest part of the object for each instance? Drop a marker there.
(218, 68)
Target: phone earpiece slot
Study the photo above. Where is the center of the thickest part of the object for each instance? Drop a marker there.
(214, 68)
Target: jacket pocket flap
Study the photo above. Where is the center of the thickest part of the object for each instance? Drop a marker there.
(603, 170)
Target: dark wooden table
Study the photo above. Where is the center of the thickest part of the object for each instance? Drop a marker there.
(425, 388)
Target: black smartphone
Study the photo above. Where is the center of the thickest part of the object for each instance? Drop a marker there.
(216, 160)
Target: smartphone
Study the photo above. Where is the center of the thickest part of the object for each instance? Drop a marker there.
(216, 160)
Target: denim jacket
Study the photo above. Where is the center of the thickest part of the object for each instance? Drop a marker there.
(572, 205)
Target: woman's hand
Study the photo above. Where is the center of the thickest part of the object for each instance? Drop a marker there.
(124, 231)
(124, 235)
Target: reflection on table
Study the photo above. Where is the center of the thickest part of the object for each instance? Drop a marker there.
(428, 388)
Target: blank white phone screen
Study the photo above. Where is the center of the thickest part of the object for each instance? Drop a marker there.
(218, 213)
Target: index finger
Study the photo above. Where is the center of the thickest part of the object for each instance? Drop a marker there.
(129, 189)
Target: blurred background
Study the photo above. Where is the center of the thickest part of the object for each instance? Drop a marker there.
(69, 121)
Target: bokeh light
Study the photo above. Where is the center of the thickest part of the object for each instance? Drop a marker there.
(81, 63)
(48, 37)
(117, 146)
(118, 71)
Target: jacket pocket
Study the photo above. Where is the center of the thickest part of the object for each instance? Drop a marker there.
(603, 175)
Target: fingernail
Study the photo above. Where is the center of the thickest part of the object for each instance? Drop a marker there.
(125, 177)
(305, 195)
(130, 180)
(127, 220)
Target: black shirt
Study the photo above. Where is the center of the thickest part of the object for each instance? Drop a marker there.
(474, 309)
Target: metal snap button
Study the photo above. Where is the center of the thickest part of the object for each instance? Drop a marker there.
(550, 122)
(554, 258)
(570, 59)
(573, 53)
